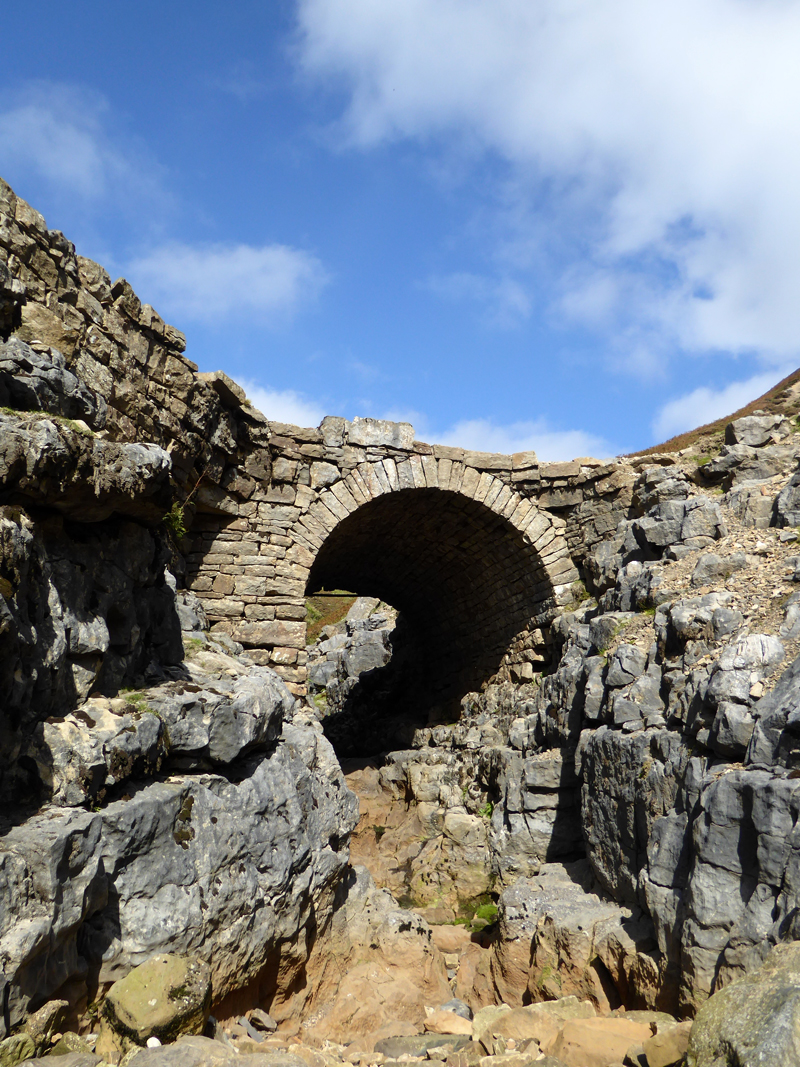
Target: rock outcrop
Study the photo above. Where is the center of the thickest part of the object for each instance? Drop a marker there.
(576, 729)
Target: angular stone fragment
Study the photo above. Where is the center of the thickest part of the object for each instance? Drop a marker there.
(757, 430)
(166, 997)
(36, 381)
(596, 1042)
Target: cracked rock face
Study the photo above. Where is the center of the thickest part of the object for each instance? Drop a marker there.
(227, 867)
(32, 380)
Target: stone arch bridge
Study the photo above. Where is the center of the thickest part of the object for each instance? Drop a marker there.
(453, 539)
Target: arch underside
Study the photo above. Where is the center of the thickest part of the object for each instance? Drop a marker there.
(465, 580)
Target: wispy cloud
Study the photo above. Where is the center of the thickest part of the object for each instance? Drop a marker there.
(706, 404)
(656, 146)
(60, 134)
(537, 435)
(285, 405)
(207, 283)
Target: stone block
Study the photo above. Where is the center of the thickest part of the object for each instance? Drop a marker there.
(372, 432)
(487, 461)
(270, 634)
(165, 997)
(324, 474)
(229, 393)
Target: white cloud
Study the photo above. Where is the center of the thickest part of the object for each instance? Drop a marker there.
(206, 283)
(705, 404)
(284, 405)
(661, 142)
(482, 435)
(58, 133)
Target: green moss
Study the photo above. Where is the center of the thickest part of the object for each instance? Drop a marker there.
(487, 912)
(379, 831)
(547, 974)
(487, 810)
(139, 701)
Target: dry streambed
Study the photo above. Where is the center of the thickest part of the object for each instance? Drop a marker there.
(158, 1016)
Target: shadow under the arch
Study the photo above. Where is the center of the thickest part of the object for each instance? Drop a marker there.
(466, 584)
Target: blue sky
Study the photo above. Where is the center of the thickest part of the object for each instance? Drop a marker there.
(565, 225)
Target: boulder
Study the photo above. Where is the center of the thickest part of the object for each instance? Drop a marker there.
(15, 1049)
(447, 1022)
(757, 430)
(596, 1042)
(395, 1047)
(67, 1059)
(165, 998)
(755, 1020)
(668, 1047)
(448, 938)
(45, 1022)
(540, 1022)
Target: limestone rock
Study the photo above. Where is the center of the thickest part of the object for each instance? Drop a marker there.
(15, 1049)
(165, 998)
(390, 981)
(756, 1020)
(596, 1042)
(36, 381)
(447, 1022)
(394, 1047)
(181, 865)
(540, 1022)
(668, 1047)
(45, 1022)
(756, 430)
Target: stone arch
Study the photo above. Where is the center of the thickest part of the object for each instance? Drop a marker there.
(473, 565)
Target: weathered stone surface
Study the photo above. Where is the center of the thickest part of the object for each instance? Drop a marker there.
(596, 1042)
(171, 866)
(394, 1047)
(214, 721)
(668, 1048)
(757, 430)
(776, 737)
(16, 1049)
(36, 381)
(80, 612)
(756, 1020)
(540, 1022)
(166, 997)
(83, 477)
(447, 1022)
